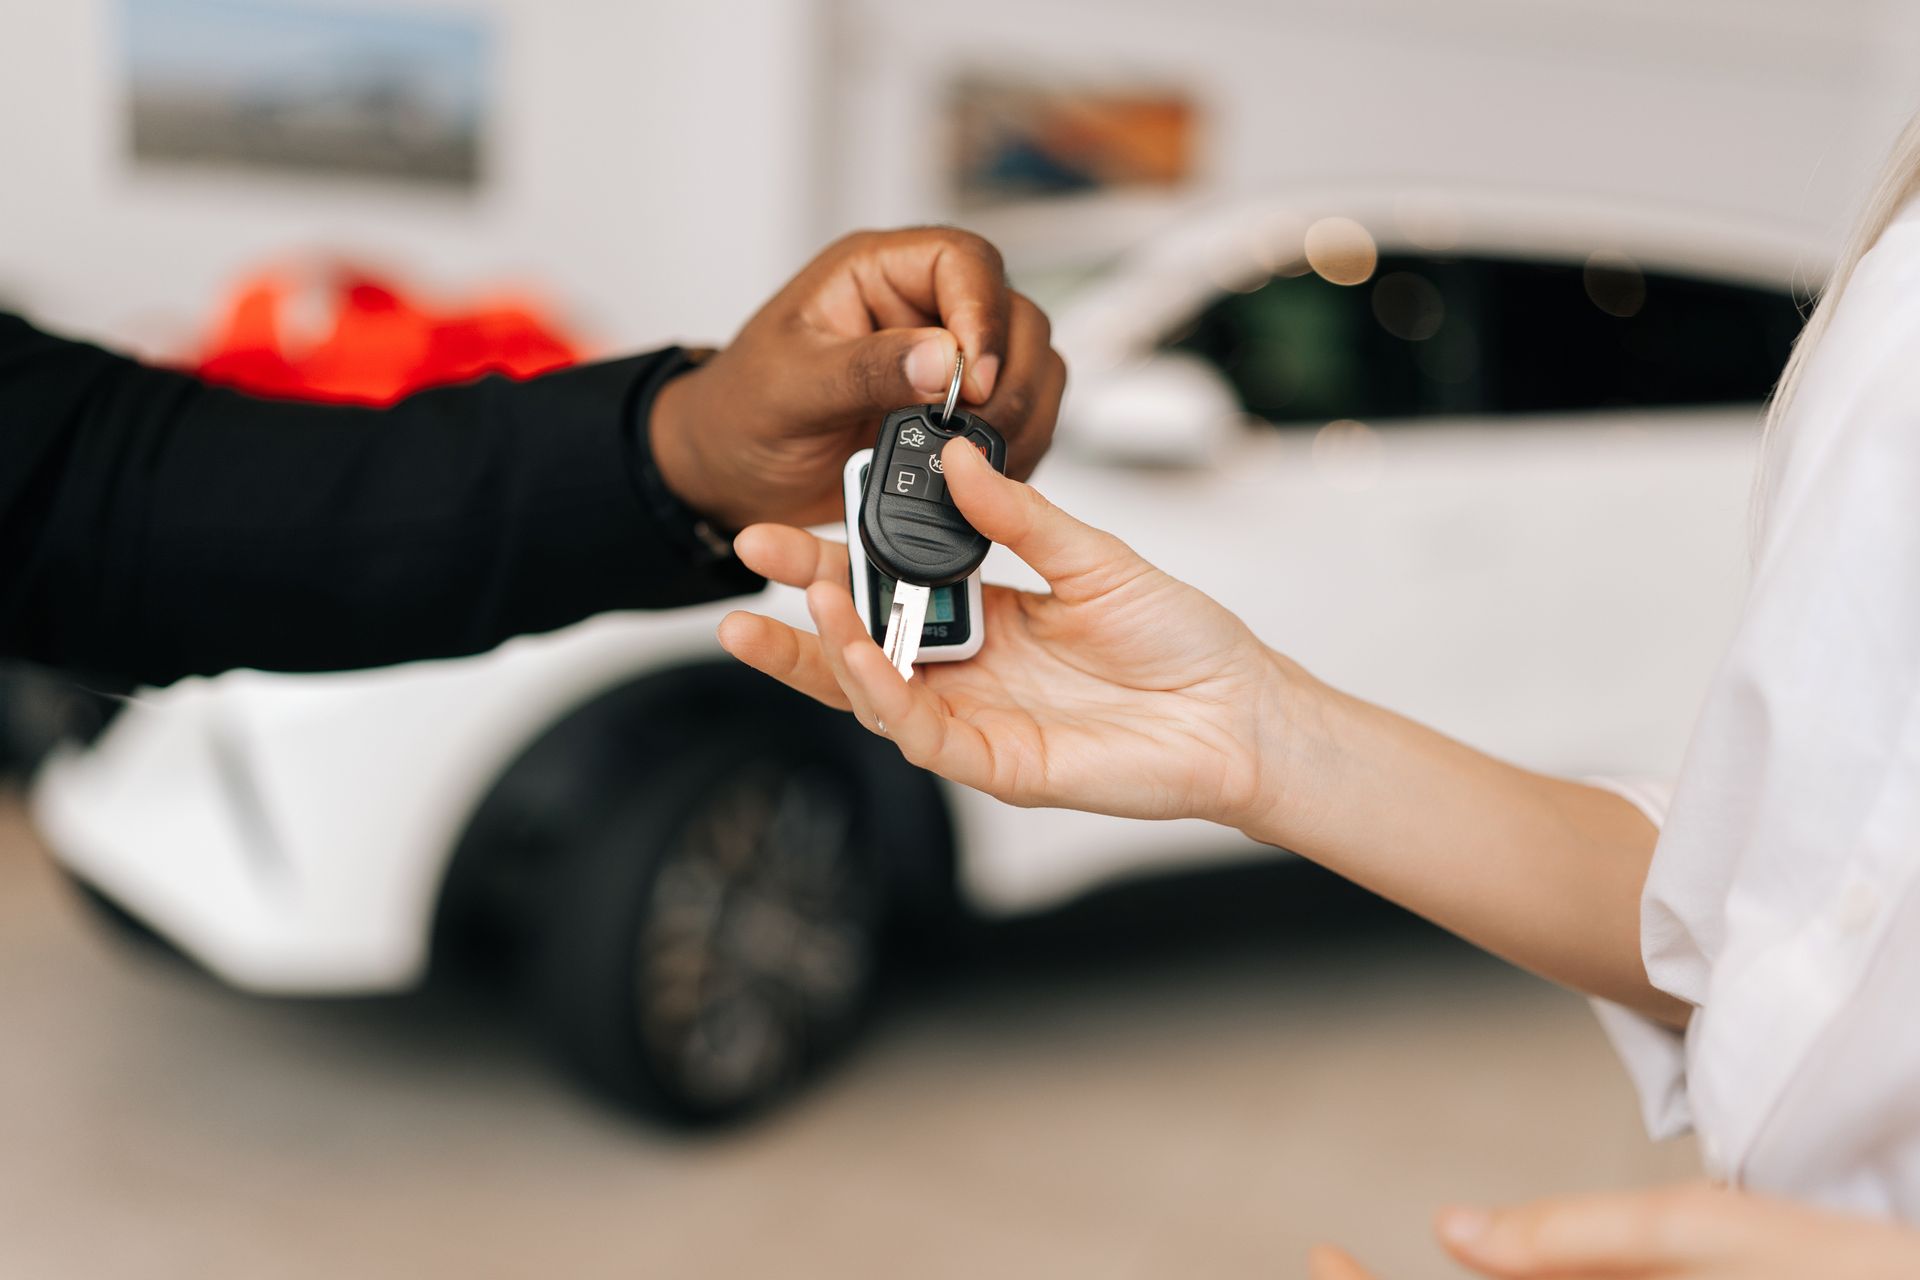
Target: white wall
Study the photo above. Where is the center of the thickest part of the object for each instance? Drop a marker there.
(1757, 109)
(661, 166)
(647, 160)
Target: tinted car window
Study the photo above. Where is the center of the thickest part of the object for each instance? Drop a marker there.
(1428, 336)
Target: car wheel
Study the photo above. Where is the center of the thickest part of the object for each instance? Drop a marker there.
(718, 936)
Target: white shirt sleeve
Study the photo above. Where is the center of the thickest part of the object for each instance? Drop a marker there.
(1654, 1054)
(1783, 902)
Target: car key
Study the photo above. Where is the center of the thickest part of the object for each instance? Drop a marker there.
(952, 632)
(908, 524)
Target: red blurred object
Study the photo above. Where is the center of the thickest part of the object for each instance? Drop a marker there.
(382, 346)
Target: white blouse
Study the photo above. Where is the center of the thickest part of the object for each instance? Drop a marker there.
(1784, 897)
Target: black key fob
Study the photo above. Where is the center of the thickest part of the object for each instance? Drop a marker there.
(908, 524)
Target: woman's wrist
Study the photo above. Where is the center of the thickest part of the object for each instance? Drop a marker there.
(1295, 737)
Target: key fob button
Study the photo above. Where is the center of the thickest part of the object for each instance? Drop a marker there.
(908, 481)
(914, 435)
(928, 483)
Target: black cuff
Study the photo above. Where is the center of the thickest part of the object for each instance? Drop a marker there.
(707, 549)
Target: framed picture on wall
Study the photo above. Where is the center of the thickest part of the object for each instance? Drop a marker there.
(1012, 125)
(384, 93)
(1014, 141)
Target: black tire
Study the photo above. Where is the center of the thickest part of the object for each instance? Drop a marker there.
(718, 935)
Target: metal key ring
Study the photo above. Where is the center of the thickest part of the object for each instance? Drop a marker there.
(953, 388)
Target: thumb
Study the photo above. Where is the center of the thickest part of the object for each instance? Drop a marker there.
(1324, 1262)
(883, 370)
(1078, 561)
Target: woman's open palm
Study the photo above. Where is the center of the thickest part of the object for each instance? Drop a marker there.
(1124, 691)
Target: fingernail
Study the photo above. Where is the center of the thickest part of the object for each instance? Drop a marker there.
(1462, 1226)
(985, 370)
(961, 448)
(930, 367)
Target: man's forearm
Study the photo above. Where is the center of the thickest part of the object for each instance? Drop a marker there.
(157, 527)
(1543, 872)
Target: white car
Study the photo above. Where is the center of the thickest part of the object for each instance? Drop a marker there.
(1506, 493)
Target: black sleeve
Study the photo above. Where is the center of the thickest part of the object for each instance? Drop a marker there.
(153, 527)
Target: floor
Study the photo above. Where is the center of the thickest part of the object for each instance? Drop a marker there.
(1193, 1080)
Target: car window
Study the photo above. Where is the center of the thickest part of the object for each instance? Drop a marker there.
(1480, 335)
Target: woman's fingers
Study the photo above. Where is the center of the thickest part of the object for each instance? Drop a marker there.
(792, 557)
(1078, 561)
(817, 665)
(840, 629)
(843, 667)
(1324, 1262)
(917, 720)
(789, 656)
(907, 712)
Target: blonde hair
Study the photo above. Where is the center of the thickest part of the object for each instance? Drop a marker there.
(1899, 182)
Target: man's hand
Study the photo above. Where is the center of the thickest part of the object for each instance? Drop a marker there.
(761, 431)
(1689, 1232)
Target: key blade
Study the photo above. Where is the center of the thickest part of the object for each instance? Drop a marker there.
(904, 620)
